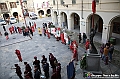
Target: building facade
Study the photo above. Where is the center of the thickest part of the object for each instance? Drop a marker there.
(78, 15)
(12, 8)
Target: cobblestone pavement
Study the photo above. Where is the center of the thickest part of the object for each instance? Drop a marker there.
(38, 46)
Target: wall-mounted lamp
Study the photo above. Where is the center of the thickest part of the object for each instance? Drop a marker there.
(63, 3)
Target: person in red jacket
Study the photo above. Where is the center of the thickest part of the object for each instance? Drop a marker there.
(17, 52)
(10, 29)
(19, 30)
(75, 53)
(62, 38)
(48, 34)
(35, 25)
(87, 44)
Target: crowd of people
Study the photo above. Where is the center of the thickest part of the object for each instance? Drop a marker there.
(55, 65)
(106, 51)
(25, 30)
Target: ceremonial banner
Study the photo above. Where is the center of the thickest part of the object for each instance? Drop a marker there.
(93, 6)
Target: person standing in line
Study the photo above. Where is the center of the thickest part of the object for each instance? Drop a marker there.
(4, 28)
(10, 29)
(17, 52)
(46, 69)
(43, 59)
(36, 72)
(37, 63)
(30, 23)
(111, 49)
(75, 52)
(18, 71)
(48, 34)
(45, 25)
(52, 60)
(28, 69)
(6, 35)
(79, 37)
(35, 25)
(19, 30)
(40, 31)
(15, 29)
(44, 31)
(31, 32)
(58, 71)
(87, 44)
(84, 38)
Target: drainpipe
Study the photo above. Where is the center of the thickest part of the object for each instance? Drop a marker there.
(82, 10)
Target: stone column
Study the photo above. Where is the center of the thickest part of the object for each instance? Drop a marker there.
(69, 24)
(52, 15)
(105, 33)
(59, 21)
(83, 26)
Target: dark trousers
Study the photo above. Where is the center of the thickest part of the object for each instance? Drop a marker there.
(47, 74)
(44, 34)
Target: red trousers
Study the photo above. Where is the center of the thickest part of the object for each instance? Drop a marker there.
(19, 57)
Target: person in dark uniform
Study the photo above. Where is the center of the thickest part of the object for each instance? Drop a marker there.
(52, 60)
(36, 73)
(58, 71)
(28, 69)
(80, 38)
(43, 59)
(18, 71)
(46, 69)
(29, 23)
(37, 63)
(4, 28)
(31, 32)
(6, 35)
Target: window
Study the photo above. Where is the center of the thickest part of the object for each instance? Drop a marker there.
(73, 1)
(53, 2)
(116, 27)
(62, 2)
(97, 1)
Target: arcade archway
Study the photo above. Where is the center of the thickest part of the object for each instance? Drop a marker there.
(75, 21)
(15, 14)
(48, 11)
(6, 16)
(64, 20)
(41, 12)
(115, 27)
(98, 22)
